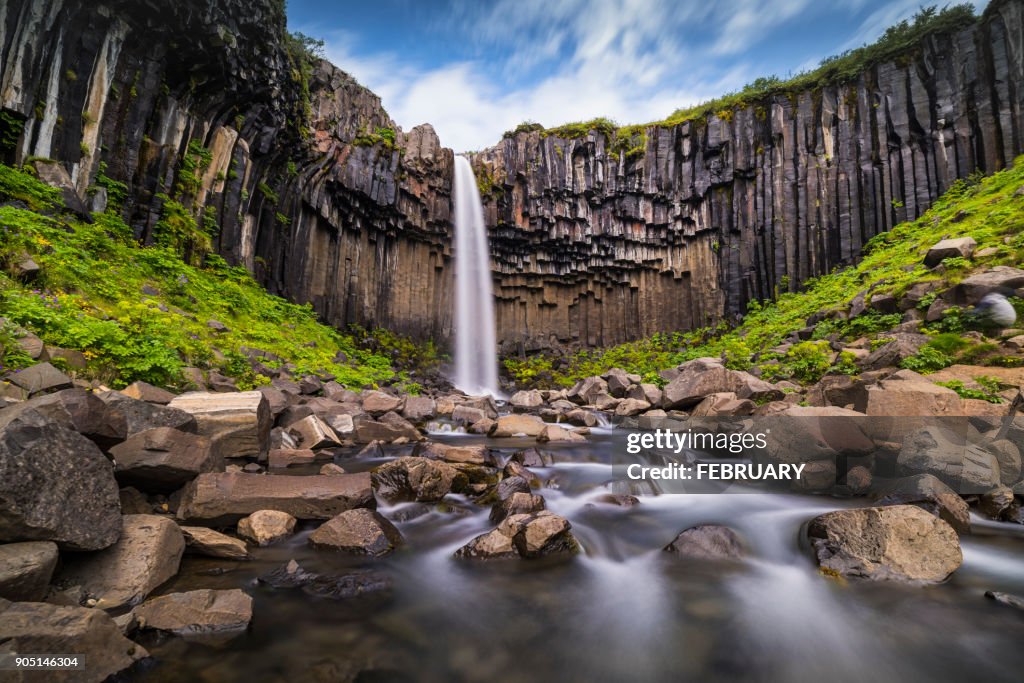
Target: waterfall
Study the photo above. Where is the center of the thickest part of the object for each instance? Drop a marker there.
(476, 352)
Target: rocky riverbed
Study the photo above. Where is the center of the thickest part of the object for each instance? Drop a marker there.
(306, 527)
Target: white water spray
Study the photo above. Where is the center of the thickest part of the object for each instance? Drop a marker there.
(476, 362)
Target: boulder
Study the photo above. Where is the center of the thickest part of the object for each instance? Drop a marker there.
(238, 423)
(645, 392)
(526, 400)
(963, 466)
(390, 427)
(56, 485)
(699, 378)
(724, 404)
(416, 478)
(958, 246)
(38, 628)
(266, 527)
(419, 408)
(517, 425)
(532, 457)
(378, 403)
(77, 409)
(581, 417)
(901, 542)
(618, 382)
(630, 407)
(556, 434)
(604, 402)
(912, 396)
(468, 415)
(220, 499)
(519, 503)
(162, 460)
(129, 416)
(39, 379)
(996, 501)
(971, 290)
(281, 458)
(892, 353)
(312, 433)
(1008, 456)
(358, 532)
(209, 543)
(26, 570)
(277, 400)
(708, 542)
(147, 555)
(470, 455)
(801, 434)
(527, 536)
(143, 391)
(342, 424)
(197, 613)
(586, 390)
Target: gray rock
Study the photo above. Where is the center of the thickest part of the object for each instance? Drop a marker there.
(708, 542)
(26, 569)
(929, 493)
(197, 613)
(415, 478)
(527, 536)
(959, 246)
(162, 460)
(347, 586)
(237, 423)
(40, 378)
(965, 467)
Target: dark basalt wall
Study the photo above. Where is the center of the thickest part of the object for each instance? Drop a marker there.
(588, 248)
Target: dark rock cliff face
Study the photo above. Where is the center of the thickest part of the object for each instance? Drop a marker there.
(588, 248)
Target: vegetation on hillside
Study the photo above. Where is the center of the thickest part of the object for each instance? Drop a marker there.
(899, 43)
(144, 313)
(991, 210)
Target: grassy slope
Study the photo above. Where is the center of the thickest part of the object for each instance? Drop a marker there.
(990, 210)
(142, 313)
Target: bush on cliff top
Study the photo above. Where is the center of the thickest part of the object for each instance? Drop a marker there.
(141, 313)
(987, 209)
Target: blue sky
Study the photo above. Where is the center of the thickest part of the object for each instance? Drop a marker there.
(475, 68)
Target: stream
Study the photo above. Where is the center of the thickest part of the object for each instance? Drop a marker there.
(621, 610)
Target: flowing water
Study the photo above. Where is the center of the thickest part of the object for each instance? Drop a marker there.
(621, 610)
(476, 351)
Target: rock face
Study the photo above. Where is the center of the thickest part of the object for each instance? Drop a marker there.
(215, 499)
(197, 613)
(39, 627)
(147, 555)
(901, 542)
(588, 245)
(56, 485)
(359, 532)
(25, 570)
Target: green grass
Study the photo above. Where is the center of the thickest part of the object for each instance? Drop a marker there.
(986, 209)
(90, 296)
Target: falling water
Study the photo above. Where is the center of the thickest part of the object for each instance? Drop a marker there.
(476, 362)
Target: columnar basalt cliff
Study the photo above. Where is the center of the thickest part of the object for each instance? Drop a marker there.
(595, 247)
(320, 194)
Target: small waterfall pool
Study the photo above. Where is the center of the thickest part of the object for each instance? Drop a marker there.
(620, 610)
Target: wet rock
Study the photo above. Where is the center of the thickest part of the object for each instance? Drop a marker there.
(56, 485)
(556, 434)
(708, 542)
(312, 433)
(419, 408)
(519, 503)
(378, 403)
(162, 460)
(1007, 599)
(219, 499)
(209, 543)
(517, 425)
(358, 532)
(901, 542)
(523, 401)
(533, 457)
(965, 467)
(39, 379)
(415, 478)
(144, 391)
(959, 246)
(238, 423)
(996, 501)
(513, 470)
(36, 627)
(266, 527)
(147, 555)
(528, 536)
(197, 613)
(342, 587)
(26, 569)
(621, 499)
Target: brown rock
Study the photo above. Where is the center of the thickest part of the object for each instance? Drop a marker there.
(209, 543)
(359, 532)
(162, 460)
(708, 542)
(26, 569)
(265, 527)
(238, 423)
(197, 613)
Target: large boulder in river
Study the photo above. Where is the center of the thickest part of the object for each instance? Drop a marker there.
(162, 460)
(26, 569)
(528, 536)
(238, 423)
(964, 466)
(197, 613)
(147, 555)
(416, 478)
(358, 532)
(37, 627)
(901, 542)
(708, 542)
(56, 485)
(517, 425)
(929, 493)
(224, 498)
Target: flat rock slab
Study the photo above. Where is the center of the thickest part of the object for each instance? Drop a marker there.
(146, 556)
(238, 423)
(202, 541)
(56, 485)
(144, 391)
(40, 378)
(901, 543)
(26, 569)
(358, 584)
(162, 460)
(37, 627)
(224, 498)
(197, 613)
